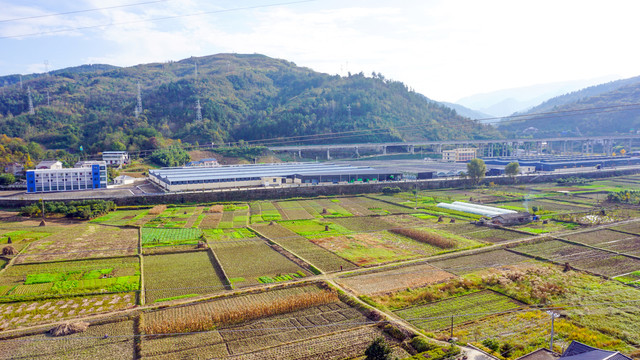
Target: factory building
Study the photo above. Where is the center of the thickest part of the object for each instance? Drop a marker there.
(86, 175)
(567, 162)
(234, 176)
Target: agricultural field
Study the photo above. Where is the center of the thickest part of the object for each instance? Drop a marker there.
(22, 238)
(394, 279)
(598, 237)
(27, 313)
(582, 257)
(54, 280)
(309, 320)
(263, 211)
(379, 207)
(466, 264)
(83, 241)
(99, 341)
(157, 238)
(303, 248)
(210, 221)
(459, 310)
(631, 227)
(270, 268)
(185, 274)
(292, 210)
(123, 217)
(530, 331)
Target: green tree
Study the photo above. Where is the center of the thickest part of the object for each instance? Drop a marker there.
(378, 350)
(512, 169)
(476, 170)
(7, 179)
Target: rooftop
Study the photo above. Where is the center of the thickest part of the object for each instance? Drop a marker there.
(259, 170)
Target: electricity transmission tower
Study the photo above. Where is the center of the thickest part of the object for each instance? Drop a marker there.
(31, 109)
(198, 111)
(138, 109)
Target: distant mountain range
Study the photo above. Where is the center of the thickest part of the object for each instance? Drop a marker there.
(469, 113)
(240, 97)
(508, 101)
(609, 108)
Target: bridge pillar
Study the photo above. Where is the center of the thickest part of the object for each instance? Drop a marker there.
(300, 154)
(412, 149)
(328, 155)
(384, 150)
(357, 152)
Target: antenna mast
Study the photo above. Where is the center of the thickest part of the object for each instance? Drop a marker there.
(138, 109)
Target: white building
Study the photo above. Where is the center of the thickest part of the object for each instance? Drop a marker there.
(115, 158)
(210, 162)
(49, 164)
(124, 180)
(460, 154)
(89, 175)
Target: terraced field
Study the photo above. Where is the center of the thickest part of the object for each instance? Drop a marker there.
(300, 246)
(581, 257)
(439, 315)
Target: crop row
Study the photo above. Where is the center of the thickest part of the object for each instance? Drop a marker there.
(160, 237)
(458, 310)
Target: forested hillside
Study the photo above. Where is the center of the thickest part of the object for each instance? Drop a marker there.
(612, 108)
(242, 97)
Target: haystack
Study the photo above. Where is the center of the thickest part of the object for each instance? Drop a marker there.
(42, 223)
(69, 328)
(9, 250)
(202, 245)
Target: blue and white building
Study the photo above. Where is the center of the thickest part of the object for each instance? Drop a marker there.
(86, 175)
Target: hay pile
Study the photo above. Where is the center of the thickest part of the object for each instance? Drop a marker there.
(9, 250)
(69, 328)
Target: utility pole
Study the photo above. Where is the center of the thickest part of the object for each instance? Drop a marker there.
(553, 315)
(31, 109)
(198, 111)
(138, 109)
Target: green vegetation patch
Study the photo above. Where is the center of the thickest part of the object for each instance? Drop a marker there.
(168, 237)
(462, 309)
(315, 228)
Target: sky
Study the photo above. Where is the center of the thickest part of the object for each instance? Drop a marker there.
(444, 49)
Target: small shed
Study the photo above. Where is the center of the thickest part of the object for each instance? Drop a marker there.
(519, 218)
(124, 180)
(540, 354)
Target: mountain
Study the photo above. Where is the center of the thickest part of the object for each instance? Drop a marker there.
(508, 101)
(611, 108)
(242, 97)
(466, 112)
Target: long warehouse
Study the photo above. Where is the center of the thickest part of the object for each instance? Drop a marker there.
(234, 176)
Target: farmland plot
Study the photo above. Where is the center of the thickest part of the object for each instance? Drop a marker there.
(210, 221)
(365, 223)
(33, 281)
(300, 246)
(368, 248)
(21, 238)
(395, 279)
(90, 344)
(27, 313)
(120, 217)
(597, 237)
(83, 241)
(632, 227)
(582, 257)
(152, 237)
(275, 328)
(494, 235)
(324, 208)
(271, 266)
(292, 210)
(356, 208)
(382, 205)
(172, 275)
(465, 264)
(438, 315)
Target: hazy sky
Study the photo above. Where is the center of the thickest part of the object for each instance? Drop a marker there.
(444, 49)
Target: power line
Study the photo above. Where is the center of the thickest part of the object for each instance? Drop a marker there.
(155, 19)
(81, 11)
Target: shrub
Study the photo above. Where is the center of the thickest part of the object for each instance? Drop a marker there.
(421, 344)
(426, 237)
(387, 190)
(492, 344)
(378, 350)
(85, 209)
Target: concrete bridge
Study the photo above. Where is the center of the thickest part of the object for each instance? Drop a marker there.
(487, 148)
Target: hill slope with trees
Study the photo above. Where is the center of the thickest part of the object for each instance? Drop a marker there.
(611, 108)
(242, 97)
